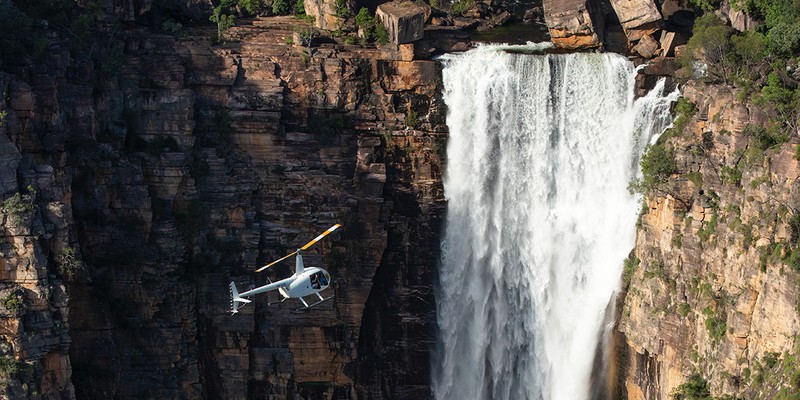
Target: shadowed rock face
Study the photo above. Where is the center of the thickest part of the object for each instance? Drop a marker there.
(190, 166)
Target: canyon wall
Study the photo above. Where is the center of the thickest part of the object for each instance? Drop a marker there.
(712, 285)
(146, 170)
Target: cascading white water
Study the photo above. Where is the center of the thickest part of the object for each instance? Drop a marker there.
(539, 218)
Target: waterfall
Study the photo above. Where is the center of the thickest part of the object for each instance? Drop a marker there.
(539, 218)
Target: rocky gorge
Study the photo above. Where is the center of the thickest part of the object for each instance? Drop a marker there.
(144, 165)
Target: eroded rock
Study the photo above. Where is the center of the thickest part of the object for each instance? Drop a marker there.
(574, 24)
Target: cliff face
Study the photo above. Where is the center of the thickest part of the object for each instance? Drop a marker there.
(712, 288)
(172, 165)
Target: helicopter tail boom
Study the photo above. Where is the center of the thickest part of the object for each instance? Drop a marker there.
(236, 300)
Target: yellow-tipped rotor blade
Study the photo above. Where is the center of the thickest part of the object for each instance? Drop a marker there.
(276, 261)
(316, 239)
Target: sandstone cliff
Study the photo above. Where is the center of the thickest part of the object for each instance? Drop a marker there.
(713, 284)
(161, 166)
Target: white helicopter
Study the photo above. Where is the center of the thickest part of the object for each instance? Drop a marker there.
(304, 282)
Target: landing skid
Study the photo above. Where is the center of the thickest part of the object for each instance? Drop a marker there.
(277, 301)
(307, 306)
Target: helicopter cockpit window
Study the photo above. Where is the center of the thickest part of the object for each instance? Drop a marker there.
(315, 281)
(323, 279)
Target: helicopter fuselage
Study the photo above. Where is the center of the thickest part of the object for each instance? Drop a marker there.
(311, 281)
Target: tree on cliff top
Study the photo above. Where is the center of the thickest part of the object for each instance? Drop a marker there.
(711, 43)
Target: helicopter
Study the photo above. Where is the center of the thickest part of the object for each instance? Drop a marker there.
(304, 282)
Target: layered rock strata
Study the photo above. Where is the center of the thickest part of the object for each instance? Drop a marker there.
(193, 164)
(712, 289)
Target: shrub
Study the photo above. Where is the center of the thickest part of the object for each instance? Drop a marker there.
(18, 38)
(280, 7)
(13, 303)
(695, 388)
(784, 37)
(794, 228)
(763, 138)
(374, 31)
(657, 164)
(20, 207)
(9, 366)
(341, 9)
(731, 176)
(711, 42)
(223, 16)
(172, 27)
(381, 36)
(252, 7)
(300, 7)
(364, 19)
(68, 264)
(411, 118)
(631, 264)
(705, 5)
(715, 324)
(459, 6)
(751, 47)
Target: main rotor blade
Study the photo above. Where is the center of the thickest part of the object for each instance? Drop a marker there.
(276, 261)
(316, 239)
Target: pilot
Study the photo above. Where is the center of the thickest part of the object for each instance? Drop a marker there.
(314, 282)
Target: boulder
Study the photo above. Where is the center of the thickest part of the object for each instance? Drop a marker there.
(637, 17)
(574, 24)
(403, 20)
(670, 40)
(739, 19)
(647, 47)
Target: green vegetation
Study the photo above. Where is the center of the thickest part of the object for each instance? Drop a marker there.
(223, 16)
(13, 303)
(731, 176)
(657, 164)
(341, 9)
(459, 6)
(754, 61)
(762, 138)
(9, 366)
(280, 7)
(20, 207)
(715, 323)
(68, 264)
(656, 269)
(373, 30)
(411, 118)
(775, 376)
(631, 264)
(709, 227)
(695, 388)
